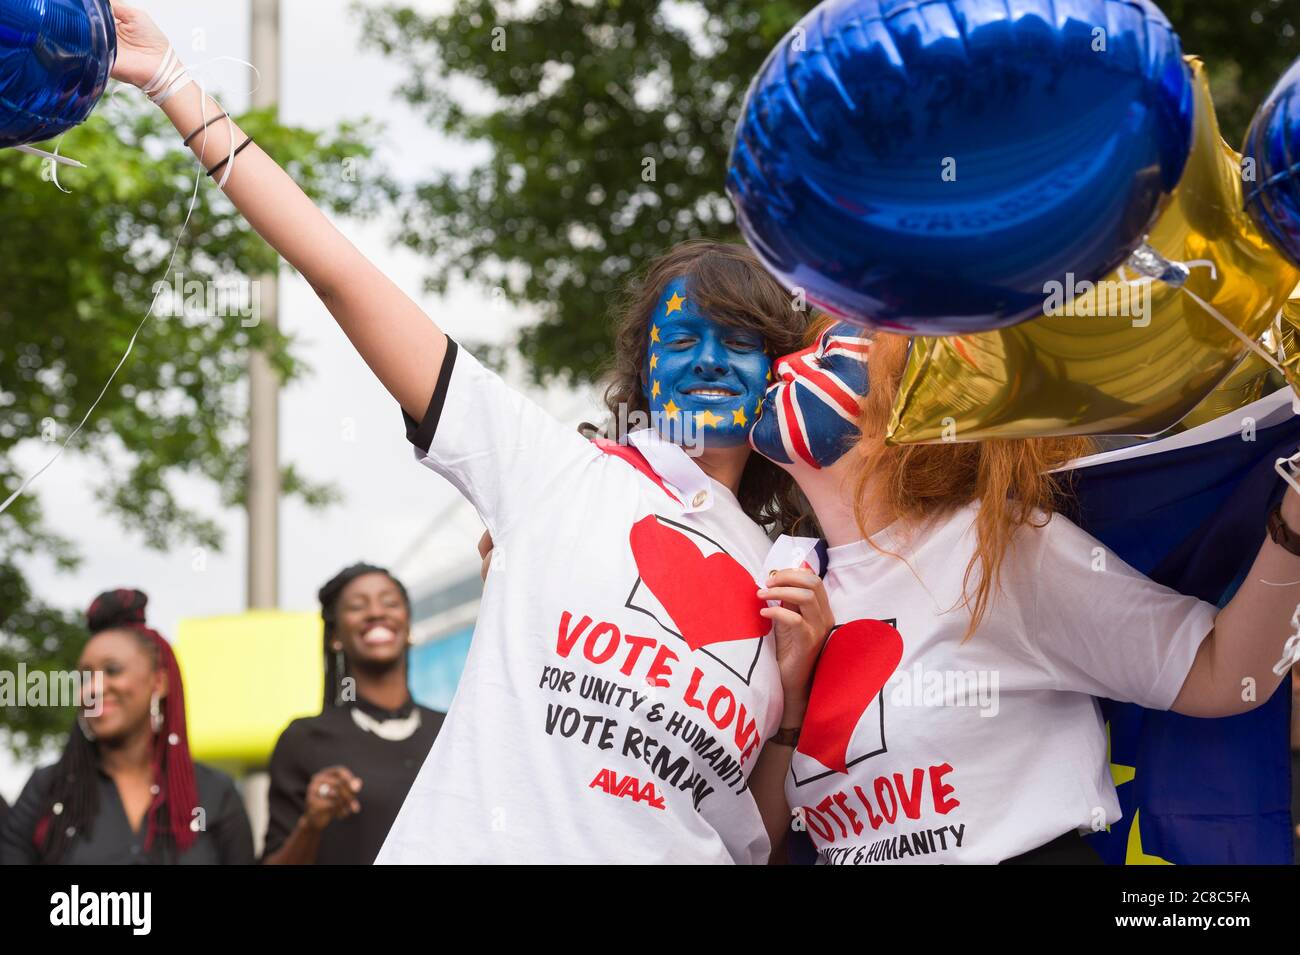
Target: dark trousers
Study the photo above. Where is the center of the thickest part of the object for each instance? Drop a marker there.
(1069, 849)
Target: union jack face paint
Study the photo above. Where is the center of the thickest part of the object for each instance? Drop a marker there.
(810, 414)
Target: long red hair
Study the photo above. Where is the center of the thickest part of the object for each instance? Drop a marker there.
(1009, 479)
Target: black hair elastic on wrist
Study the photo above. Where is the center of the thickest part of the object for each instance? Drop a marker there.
(188, 139)
(231, 156)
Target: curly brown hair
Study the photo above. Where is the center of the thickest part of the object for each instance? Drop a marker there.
(730, 286)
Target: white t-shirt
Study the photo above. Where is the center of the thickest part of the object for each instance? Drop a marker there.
(620, 682)
(919, 748)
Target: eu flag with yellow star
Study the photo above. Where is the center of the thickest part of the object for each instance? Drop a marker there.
(1190, 512)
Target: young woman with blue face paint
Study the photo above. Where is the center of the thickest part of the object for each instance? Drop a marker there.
(622, 679)
(704, 381)
(947, 560)
(694, 338)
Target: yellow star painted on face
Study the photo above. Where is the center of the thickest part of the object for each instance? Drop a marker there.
(738, 417)
(654, 334)
(675, 304)
(707, 419)
(671, 409)
(654, 390)
(654, 362)
(758, 406)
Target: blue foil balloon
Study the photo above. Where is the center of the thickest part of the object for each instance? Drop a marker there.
(927, 166)
(1273, 144)
(55, 59)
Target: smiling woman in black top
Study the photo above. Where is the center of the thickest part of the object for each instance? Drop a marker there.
(338, 779)
(126, 790)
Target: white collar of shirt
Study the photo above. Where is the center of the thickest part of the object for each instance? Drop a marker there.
(676, 468)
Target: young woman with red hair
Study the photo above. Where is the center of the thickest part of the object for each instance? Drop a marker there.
(952, 716)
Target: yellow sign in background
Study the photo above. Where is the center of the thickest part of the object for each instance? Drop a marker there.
(246, 677)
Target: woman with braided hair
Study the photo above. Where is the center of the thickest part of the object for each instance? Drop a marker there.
(125, 790)
(338, 779)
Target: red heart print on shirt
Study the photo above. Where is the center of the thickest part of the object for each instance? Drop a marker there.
(711, 599)
(859, 657)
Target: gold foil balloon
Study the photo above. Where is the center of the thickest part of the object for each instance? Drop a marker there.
(1254, 377)
(1285, 342)
(1251, 380)
(1131, 355)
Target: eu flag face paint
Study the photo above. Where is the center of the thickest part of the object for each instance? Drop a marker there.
(810, 415)
(704, 381)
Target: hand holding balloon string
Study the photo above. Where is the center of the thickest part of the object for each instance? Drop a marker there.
(141, 46)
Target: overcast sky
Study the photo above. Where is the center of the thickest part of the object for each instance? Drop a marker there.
(388, 498)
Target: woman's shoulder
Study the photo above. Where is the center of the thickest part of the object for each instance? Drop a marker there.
(302, 738)
(1056, 530)
(430, 717)
(36, 791)
(1039, 528)
(306, 727)
(211, 781)
(1056, 557)
(42, 778)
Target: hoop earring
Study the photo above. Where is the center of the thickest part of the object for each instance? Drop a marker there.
(86, 731)
(155, 712)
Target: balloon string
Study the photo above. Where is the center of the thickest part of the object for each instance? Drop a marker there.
(1245, 339)
(130, 346)
(61, 160)
(1291, 650)
(22, 488)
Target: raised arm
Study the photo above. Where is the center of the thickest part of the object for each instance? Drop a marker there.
(400, 343)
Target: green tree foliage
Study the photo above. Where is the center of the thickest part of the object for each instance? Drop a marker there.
(78, 273)
(606, 132)
(571, 101)
(1246, 44)
(34, 638)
